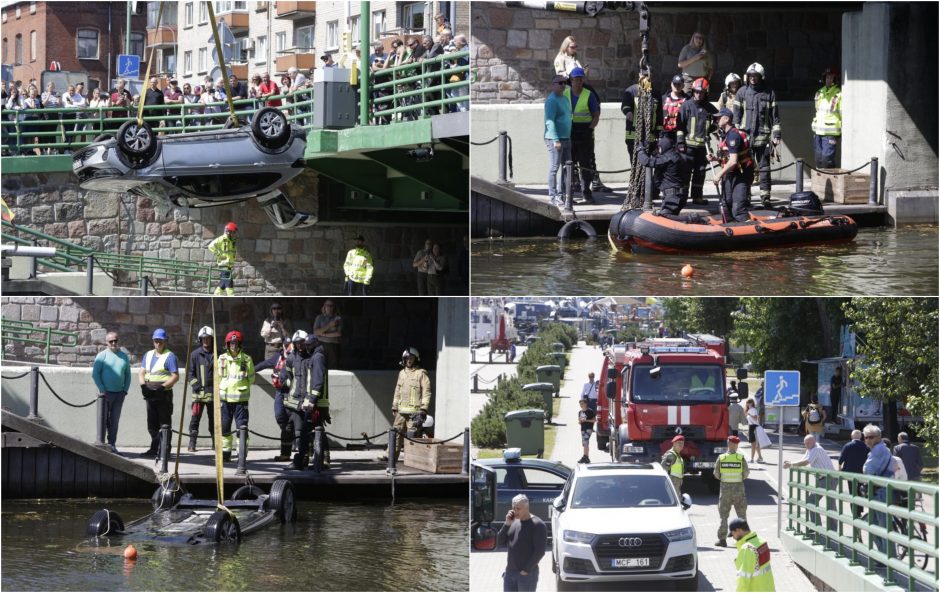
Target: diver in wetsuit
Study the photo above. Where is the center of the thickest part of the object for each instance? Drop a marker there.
(672, 172)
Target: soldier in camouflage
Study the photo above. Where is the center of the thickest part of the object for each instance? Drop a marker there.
(731, 470)
(674, 464)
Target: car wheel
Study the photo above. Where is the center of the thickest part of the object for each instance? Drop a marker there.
(247, 492)
(137, 142)
(282, 501)
(104, 522)
(271, 128)
(166, 496)
(223, 528)
(561, 585)
(102, 137)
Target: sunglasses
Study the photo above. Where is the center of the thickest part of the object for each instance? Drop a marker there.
(872, 438)
(572, 46)
(112, 341)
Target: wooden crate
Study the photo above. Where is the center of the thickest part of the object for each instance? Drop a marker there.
(841, 189)
(437, 458)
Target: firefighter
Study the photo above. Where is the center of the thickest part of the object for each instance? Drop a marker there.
(412, 397)
(236, 374)
(827, 124)
(753, 561)
(732, 84)
(737, 167)
(674, 464)
(672, 170)
(200, 379)
(695, 124)
(629, 105)
(672, 103)
(731, 470)
(223, 248)
(318, 392)
(159, 371)
(585, 113)
(277, 362)
(755, 112)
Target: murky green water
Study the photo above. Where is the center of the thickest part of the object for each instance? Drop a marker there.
(881, 261)
(416, 545)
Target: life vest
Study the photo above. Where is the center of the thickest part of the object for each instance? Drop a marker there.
(731, 468)
(671, 107)
(744, 154)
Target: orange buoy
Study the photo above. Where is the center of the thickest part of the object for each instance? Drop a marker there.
(130, 552)
(687, 271)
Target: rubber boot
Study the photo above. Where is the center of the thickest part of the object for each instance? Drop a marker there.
(227, 447)
(287, 437)
(192, 442)
(298, 463)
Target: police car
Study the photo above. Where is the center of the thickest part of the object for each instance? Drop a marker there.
(622, 522)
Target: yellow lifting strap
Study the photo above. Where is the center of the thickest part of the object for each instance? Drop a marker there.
(153, 48)
(217, 418)
(189, 353)
(218, 51)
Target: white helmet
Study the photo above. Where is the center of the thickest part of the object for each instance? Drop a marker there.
(410, 352)
(205, 332)
(731, 78)
(756, 68)
(429, 421)
(299, 336)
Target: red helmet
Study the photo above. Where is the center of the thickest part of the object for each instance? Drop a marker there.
(233, 336)
(231, 227)
(700, 85)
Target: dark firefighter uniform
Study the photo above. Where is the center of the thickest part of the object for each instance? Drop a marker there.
(277, 362)
(293, 380)
(629, 105)
(584, 108)
(318, 391)
(307, 376)
(736, 184)
(201, 381)
(672, 170)
(755, 112)
(696, 122)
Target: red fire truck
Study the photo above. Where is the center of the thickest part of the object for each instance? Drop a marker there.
(663, 388)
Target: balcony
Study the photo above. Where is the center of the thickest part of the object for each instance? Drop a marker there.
(163, 37)
(236, 21)
(302, 60)
(296, 10)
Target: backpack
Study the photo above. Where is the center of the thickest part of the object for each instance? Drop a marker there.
(814, 416)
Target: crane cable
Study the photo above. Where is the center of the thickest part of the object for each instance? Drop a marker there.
(153, 49)
(232, 118)
(217, 416)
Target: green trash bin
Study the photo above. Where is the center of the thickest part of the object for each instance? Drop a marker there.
(547, 390)
(560, 360)
(549, 373)
(524, 430)
(558, 347)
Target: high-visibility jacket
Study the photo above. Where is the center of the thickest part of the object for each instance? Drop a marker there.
(235, 375)
(581, 113)
(318, 378)
(200, 374)
(358, 265)
(828, 119)
(755, 112)
(753, 564)
(671, 107)
(223, 248)
(731, 468)
(412, 391)
(675, 463)
(744, 153)
(630, 106)
(155, 365)
(695, 123)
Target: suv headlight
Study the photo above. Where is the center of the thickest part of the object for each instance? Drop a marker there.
(680, 534)
(577, 537)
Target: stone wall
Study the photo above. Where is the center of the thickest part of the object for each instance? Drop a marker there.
(514, 48)
(270, 261)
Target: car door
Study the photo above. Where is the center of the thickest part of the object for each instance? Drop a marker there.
(541, 487)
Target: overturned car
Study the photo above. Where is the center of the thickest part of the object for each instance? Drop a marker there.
(202, 169)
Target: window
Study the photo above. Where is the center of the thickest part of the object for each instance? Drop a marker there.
(187, 63)
(32, 46)
(32, 8)
(87, 44)
(332, 35)
(412, 16)
(228, 6)
(168, 17)
(4, 17)
(244, 49)
(280, 41)
(203, 60)
(354, 30)
(378, 24)
(18, 50)
(168, 61)
(18, 13)
(188, 14)
(137, 45)
(303, 37)
(203, 13)
(261, 49)
(6, 55)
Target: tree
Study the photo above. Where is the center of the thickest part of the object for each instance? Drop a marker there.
(699, 315)
(898, 339)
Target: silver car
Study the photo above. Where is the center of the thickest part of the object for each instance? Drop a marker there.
(202, 169)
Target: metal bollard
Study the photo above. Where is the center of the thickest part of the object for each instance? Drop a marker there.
(392, 435)
(491, 356)
(507, 357)
(503, 156)
(241, 466)
(473, 355)
(476, 384)
(143, 285)
(569, 197)
(34, 264)
(90, 276)
(873, 182)
(33, 394)
(99, 436)
(799, 175)
(164, 452)
(647, 188)
(465, 456)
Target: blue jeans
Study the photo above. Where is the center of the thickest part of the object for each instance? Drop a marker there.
(355, 288)
(825, 149)
(556, 160)
(513, 581)
(880, 518)
(113, 403)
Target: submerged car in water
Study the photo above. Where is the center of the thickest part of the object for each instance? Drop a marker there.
(202, 169)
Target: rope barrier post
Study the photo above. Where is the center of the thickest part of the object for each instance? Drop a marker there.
(90, 276)
(476, 384)
(33, 394)
(143, 285)
(569, 197)
(799, 175)
(873, 183)
(502, 157)
(465, 456)
(100, 413)
(392, 435)
(164, 448)
(242, 467)
(647, 188)
(491, 356)
(473, 355)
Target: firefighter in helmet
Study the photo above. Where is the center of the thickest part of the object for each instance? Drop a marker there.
(293, 349)
(737, 167)
(200, 374)
(223, 248)
(412, 397)
(235, 373)
(695, 125)
(755, 113)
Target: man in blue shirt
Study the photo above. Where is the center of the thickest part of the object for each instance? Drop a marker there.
(557, 136)
(111, 373)
(879, 463)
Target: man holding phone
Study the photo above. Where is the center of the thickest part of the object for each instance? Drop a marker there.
(526, 536)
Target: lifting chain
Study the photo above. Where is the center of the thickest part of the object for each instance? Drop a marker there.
(643, 125)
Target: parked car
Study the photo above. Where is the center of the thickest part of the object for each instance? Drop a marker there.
(622, 522)
(201, 169)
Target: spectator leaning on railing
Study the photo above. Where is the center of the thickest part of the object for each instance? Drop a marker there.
(459, 44)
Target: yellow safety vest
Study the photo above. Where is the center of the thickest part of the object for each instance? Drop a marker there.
(677, 469)
(223, 248)
(235, 375)
(753, 564)
(358, 265)
(828, 119)
(581, 114)
(731, 468)
(156, 372)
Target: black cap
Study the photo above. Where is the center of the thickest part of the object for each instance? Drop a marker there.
(677, 79)
(738, 523)
(325, 57)
(359, 238)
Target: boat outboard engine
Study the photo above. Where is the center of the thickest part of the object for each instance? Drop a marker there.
(805, 203)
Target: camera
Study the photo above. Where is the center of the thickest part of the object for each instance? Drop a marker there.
(422, 154)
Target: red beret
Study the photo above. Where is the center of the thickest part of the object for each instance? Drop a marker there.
(678, 438)
(733, 439)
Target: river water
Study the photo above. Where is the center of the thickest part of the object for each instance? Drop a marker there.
(415, 545)
(881, 261)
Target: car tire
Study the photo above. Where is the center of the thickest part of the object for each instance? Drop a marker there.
(104, 522)
(247, 492)
(222, 528)
(138, 143)
(166, 496)
(282, 501)
(271, 128)
(102, 137)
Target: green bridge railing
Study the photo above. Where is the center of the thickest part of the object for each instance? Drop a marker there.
(24, 331)
(402, 93)
(839, 511)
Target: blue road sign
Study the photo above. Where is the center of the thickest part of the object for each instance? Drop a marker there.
(782, 388)
(128, 66)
